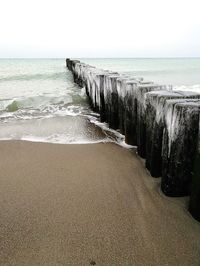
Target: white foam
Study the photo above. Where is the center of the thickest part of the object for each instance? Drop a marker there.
(195, 88)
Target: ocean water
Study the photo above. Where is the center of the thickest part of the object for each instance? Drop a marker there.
(179, 72)
(40, 102)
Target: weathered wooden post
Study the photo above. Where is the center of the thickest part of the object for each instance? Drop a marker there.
(67, 62)
(111, 100)
(73, 65)
(102, 98)
(121, 101)
(93, 87)
(130, 113)
(179, 146)
(142, 91)
(96, 89)
(155, 125)
(194, 203)
(82, 77)
(121, 109)
(88, 80)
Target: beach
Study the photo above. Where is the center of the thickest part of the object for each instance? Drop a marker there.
(88, 204)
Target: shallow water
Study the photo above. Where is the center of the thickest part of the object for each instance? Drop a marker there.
(39, 100)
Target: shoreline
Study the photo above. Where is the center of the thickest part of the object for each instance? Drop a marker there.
(72, 204)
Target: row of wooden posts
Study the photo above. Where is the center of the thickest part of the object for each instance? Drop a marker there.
(162, 123)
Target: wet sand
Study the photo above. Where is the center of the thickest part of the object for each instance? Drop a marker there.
(86, 205)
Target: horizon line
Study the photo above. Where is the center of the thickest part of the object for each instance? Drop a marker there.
(164, 57)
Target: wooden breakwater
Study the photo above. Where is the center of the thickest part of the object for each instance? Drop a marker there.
(162, 123)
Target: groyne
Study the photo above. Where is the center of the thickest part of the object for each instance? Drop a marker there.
(162, 123)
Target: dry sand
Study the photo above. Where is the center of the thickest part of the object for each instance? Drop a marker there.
(87, 204)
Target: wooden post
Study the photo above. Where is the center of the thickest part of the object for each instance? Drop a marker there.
(141, 115)
(194, 203)
(155, 102)
(179, 146)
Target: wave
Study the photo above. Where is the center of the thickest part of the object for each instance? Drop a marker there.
(42, 106)
(28, 77)
(12, 107)
(67, 129)
(34, 102)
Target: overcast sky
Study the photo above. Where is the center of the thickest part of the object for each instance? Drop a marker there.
(103, 28)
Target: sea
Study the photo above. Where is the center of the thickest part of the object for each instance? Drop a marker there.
(39, 100)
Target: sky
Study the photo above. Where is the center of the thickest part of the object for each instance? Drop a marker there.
(94, 28)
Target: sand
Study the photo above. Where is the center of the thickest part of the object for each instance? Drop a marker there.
(91, 204)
